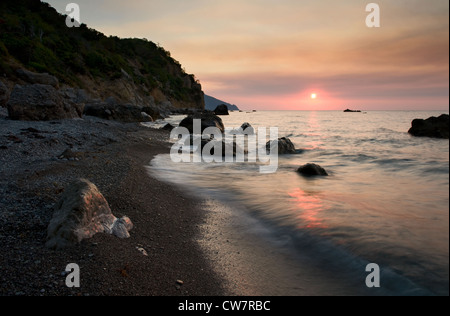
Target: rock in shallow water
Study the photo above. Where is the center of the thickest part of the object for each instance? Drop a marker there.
(436, 127)
(207, 119)
(312, 169)
(81, 213)
(285, 146)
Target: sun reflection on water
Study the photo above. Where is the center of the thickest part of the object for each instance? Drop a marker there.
(310, 207)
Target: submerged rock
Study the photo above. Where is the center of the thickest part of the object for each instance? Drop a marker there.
(436, 127)
(81, 213)
(285, 146)
(312, 169)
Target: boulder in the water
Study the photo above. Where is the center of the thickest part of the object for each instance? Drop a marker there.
(221, 110)
(285, 146)
(312, 169)
(436, 127)
(207, 118)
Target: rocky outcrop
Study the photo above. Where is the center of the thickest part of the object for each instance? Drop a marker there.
(352, 111)
(221, 110)
(208, 119)
(119, 112)
(312, 169)
(38, 78)
(285, 146)
(4, 94)
(81, 213)
(436, 127)
(38, 102)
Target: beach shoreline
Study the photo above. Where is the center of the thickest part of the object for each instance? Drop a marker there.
(166, 221)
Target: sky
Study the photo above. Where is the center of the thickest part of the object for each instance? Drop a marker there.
(274, 54)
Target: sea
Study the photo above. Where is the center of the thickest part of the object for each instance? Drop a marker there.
(384, 202)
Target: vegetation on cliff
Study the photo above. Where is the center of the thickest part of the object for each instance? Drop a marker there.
(33, 35)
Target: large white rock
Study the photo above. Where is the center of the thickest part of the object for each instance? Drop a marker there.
(81, 213)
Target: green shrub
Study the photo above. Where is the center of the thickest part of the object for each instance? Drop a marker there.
(38, 67)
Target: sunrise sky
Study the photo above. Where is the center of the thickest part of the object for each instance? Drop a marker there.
(273, 55)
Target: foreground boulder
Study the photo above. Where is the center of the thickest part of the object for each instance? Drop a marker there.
(208, 119)
(436, 127)
(38, 102)
(221, 110)
(81, 213)
(285, 146)
(312, 169)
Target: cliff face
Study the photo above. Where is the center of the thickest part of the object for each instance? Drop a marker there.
(34, 36)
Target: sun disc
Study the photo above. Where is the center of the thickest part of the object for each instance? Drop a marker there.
(314, 96)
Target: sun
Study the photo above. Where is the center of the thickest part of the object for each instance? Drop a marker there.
(314, 96)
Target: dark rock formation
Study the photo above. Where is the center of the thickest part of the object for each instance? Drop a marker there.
(38, 102)
(285, 146)
(208, 119)
(168, 127)
(312, 169)
(119, 112)
(352, 111)
(436, 127)
(221, 110)
(81, 213)
(38, 78)
(4, 94)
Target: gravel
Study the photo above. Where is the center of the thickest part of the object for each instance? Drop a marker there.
(112, 155)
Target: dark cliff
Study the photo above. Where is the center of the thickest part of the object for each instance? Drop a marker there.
(34, 36)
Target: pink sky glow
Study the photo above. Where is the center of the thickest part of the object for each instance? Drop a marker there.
(272, 55)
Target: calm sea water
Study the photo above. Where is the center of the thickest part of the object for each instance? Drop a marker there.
(386, 200)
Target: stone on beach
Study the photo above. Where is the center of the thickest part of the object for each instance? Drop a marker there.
(82, 212)
(312, 169)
